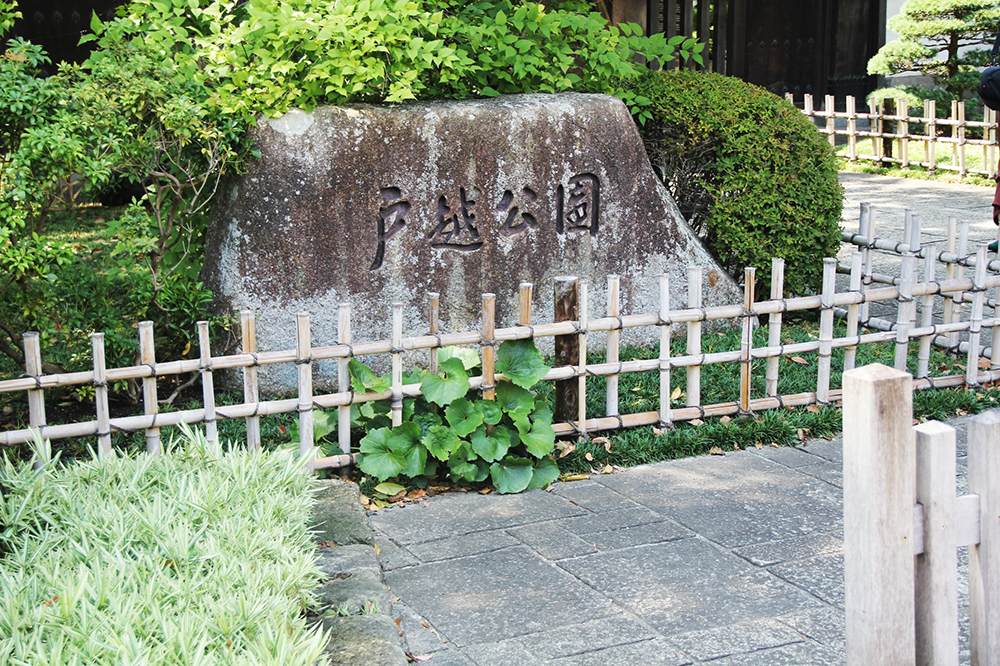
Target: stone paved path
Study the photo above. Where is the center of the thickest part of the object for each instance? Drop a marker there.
(734, 559)
(728, 560)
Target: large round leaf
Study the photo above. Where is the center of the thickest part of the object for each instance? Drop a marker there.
(405, 439)
(441, 441)
(511, 475)
(521, 362)
(377, 457)
(450, 385)
(546, 471)
(514, 398)
(463, 416)
(491, 411)
(493, 446)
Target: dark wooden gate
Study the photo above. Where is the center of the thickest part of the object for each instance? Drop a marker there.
(799, 46)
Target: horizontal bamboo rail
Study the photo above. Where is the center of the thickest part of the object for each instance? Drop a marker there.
(957, 289)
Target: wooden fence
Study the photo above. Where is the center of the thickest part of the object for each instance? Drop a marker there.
(888, 127)
(903, 526)
(956, 332)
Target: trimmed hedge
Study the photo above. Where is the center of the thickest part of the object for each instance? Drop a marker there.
(750, 173)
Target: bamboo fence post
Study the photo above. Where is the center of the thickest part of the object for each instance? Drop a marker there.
(949, 273)
(930, 128)
(344, 371)
(958, 298)
(567, 347)
(831, 121)
(906, 308)
(879, 490)
(614, 339)
(903, 129)
(101, 395)
(807, 105)
(525, 292)
(875, 129)
(774, 326)
(960, 107)
(665, 414)
(927, 313)
(33, 368)
(885, 125)
(746, 338)
(248, 335)
(852, 129)
(850, 353)
(984, 558)
(867, 228)
(147, 357)
(489, 349)
(303, 359)
(826, 331)
(397, 364)
(978, 296)
(694, 337)
(582, 373)
(434, 319)
(936, 582)
(995, 336)
(207, 384)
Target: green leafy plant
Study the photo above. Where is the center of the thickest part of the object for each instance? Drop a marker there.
(509, 440)
(191, 557)
(748, 170)
(935, 36)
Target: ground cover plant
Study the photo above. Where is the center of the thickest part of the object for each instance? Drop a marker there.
(748, 171)
(190, 558)
(973, 160)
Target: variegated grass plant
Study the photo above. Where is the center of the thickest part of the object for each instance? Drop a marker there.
(193, 557)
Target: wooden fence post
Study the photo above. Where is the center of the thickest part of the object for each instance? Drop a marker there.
(344, 371)
(984, 559)
(207, 385)
(33, 368)
(879, 493)
(694, 337)
(930, 113)
(888, 109)
(903, 130)
(666, 416)
(614, 339)
(147, 357)
(774, 326)
(976, 320)
(867, 228)
(852, 129)
(396, 409)
(826, 332)
(489, 350)
(248, 335)
(581, 415)
(927, 312)
(936, 580)
(567, 347)
(101, 395)
(850, 353)
(303, 359)
(746, 337)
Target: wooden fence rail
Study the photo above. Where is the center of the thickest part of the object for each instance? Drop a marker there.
(888, 128)
(573, 326)
(903, 525)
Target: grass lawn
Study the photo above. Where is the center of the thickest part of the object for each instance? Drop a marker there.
(943, 155)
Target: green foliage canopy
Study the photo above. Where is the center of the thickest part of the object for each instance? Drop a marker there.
(749, 172)
(932, 33)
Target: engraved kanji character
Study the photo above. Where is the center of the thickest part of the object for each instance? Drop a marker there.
(391, 220)
(456, 229)
(578, 207)
(517, 220)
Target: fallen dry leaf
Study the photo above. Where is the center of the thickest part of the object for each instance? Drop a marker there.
(696, 422)
(798, 359)
(801, 433)
(566, 450)
(724, 420)
(427, 503)
(812, 408)
(485, 491)
(759, 445)
(418, 657)
(608, 469)
(985, 363)
(657, 431)
(364, 500)
(788, 341)
(676, 393)
(576, 477)
(589, 457)
(774, 445)
(399, 623)
(716, 451)
(736, 447)
(378, 551)
(602, 441)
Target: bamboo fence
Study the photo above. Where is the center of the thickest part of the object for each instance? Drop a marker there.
(888, 127)
(959, 334)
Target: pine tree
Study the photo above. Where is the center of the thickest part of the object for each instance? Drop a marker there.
(932, 33)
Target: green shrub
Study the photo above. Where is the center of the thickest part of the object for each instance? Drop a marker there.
(191, 557)
(748, 170)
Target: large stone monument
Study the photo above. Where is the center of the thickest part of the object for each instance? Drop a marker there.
(380, 204)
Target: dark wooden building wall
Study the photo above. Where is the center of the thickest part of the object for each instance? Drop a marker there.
(57, 25)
